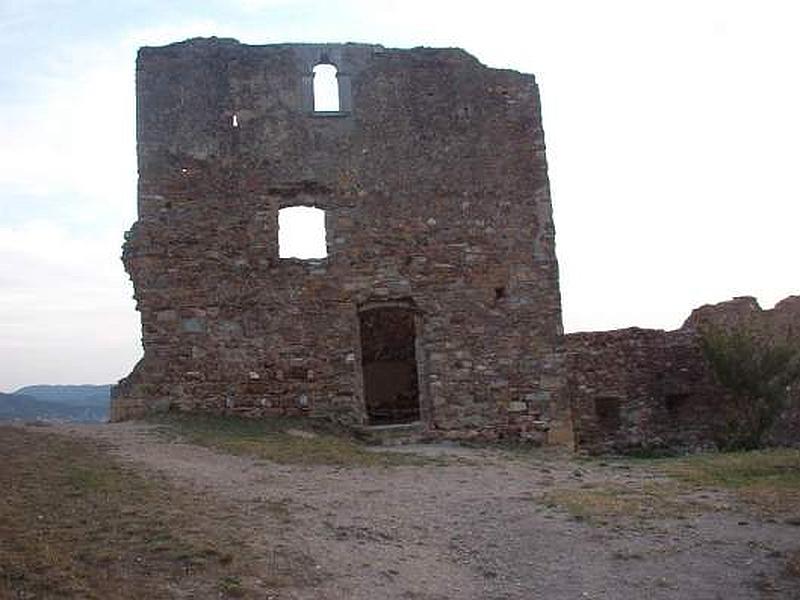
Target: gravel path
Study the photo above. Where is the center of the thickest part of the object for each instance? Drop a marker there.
(471, 527)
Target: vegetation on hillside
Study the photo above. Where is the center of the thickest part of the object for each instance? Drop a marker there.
(70, 395)
(88, 403)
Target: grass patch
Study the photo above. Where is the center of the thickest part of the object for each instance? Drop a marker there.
(76, 523)
(602, 504)
(766, 480)
(231, 586)
(289, 441)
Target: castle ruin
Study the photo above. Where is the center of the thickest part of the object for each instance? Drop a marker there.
(431, 296)
(435, 298)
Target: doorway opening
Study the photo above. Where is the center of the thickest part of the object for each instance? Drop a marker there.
(389, 364)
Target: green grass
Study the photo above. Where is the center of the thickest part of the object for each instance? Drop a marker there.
(604, 504)
(231, 586)
(768, 481)
(765, 482)
(75, 523)
(738, 470)
(291, 441)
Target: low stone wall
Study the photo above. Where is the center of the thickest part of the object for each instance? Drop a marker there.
(778, 326)
(643, 389)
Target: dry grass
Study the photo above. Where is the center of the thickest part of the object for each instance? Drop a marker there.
(76, 524)
(766, 481)
(282, 440)
(612, 502)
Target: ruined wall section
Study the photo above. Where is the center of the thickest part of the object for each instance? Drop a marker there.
(642, 389)
(780, 324)
(434, 182)
(776, 326)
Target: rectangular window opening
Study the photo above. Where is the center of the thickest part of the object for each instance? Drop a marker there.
(326, 88)
(301, 233)
(677, 405)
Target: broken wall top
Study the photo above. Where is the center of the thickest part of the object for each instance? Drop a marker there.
(432, 119)
(780, 323)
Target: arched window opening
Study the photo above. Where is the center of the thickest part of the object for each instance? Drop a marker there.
(301, 232)
(326, 89)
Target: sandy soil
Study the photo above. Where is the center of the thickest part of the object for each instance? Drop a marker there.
(471, 527)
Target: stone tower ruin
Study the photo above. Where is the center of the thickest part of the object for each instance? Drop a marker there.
(435, 299)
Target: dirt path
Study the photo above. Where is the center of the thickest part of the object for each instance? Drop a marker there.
(471, 528)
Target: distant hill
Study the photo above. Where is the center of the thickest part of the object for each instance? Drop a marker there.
(57, 403)
(69, 395)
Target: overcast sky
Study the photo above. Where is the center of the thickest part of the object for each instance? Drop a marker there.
(672, 130)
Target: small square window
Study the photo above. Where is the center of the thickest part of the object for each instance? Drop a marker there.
(607, 410)
(301, 233)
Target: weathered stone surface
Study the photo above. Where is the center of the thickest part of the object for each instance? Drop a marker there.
(438, 300)
(434, 184)
(780, 324)
(777, 326)
(634, 389)
(639, 388)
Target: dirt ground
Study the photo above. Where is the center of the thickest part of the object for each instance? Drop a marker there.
(473, 525)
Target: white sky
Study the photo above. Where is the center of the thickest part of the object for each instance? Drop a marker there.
(301, 232)
(672, 130)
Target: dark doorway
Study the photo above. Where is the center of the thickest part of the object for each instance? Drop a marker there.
(607, 411)
(389, 363)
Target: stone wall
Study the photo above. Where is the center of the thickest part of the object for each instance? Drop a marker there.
(776, 326)
(643, 389)
(438, 297)
(434, 184)
(780, 324)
